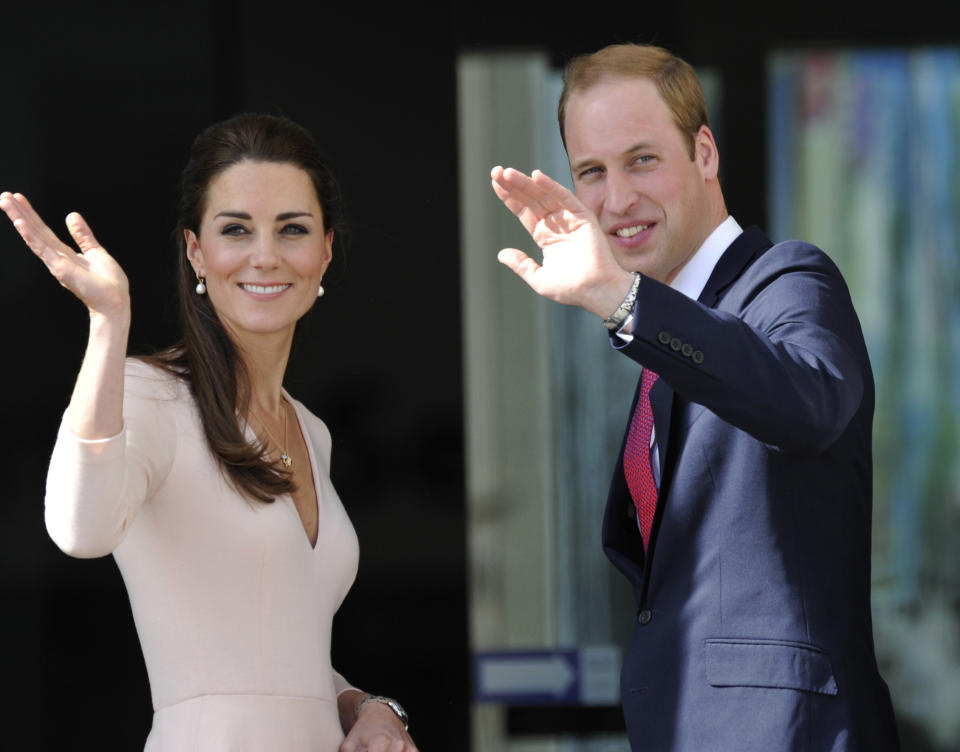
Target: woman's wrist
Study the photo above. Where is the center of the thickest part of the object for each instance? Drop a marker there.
(388, 702)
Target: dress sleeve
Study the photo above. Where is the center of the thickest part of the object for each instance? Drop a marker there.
(96, 487)
(340, 684)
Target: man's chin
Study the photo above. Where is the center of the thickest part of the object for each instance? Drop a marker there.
(638, 263)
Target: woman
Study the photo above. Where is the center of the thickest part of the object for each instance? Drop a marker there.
(205, 479)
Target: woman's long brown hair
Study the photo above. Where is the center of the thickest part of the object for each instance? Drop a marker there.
(206, 358)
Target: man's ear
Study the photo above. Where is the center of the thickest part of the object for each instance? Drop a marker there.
(705, 153)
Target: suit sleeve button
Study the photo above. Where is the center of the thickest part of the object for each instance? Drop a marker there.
(644, 617)
(676, 344)
(687, 350)
(697, 357)
(664, 338)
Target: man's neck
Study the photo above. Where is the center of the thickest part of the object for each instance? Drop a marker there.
(692, 278)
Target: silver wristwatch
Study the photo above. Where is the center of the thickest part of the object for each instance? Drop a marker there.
(626, 307)
(395, 706)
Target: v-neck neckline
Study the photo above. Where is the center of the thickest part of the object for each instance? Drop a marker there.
(305, 435)
(314, 469)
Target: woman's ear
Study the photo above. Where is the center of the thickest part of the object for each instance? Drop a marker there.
(327, 250)
(194, 253)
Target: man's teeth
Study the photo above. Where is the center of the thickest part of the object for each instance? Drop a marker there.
(264, 289)
(629, 232)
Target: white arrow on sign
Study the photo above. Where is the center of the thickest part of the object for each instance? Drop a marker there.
(551, 674)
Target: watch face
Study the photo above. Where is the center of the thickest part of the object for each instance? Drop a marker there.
(398, 709)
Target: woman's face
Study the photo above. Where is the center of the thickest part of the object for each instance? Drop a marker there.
(262, 248)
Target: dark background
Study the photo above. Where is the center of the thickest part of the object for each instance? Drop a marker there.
(99, 104)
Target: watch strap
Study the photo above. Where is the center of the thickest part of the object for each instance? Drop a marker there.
(395, 706)
(616, 319)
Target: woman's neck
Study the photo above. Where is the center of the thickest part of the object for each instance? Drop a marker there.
(266, 361)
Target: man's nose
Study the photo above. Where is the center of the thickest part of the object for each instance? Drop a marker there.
(620, 193)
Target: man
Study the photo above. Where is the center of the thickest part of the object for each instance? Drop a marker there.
(741, 501)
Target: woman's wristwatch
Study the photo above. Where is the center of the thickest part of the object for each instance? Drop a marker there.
(395, 706)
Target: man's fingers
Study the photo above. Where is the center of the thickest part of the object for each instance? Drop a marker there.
(514, 258)
(521, 264)
(556, 197)
(541, 192)
(523, 196)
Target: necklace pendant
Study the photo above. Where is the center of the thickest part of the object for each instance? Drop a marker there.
(285, 459)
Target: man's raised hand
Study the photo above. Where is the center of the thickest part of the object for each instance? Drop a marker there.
(578, 267)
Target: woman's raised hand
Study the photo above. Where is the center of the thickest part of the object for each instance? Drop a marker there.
(92, 275)
(96, 407)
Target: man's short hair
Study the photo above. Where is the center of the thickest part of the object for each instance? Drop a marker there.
(674, 78)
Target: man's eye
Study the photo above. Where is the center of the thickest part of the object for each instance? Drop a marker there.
(589, 172)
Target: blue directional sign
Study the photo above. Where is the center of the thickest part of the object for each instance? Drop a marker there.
(575, 676)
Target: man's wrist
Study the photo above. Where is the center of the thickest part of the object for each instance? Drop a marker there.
(616, 319)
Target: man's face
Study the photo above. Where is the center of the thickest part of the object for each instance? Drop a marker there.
(632, 168)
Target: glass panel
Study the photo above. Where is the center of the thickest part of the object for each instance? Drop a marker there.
(863, 162)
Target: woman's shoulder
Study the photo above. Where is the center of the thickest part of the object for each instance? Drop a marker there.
(143, 378)
(307, 416)
(319, 433)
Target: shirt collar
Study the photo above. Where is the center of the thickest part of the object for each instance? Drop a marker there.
(692, 278)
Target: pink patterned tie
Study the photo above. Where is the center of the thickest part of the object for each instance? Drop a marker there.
(636, 458)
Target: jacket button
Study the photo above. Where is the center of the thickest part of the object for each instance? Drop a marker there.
(664, 338)
(687, 350)
(645, 616)
(697, 357)
(675, 344)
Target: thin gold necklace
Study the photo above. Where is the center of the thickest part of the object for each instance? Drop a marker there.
(284, 457)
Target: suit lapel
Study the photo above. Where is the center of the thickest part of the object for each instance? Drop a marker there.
(620, 533)
(741, 252)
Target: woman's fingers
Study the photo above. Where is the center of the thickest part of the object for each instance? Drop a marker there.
(59, 258)
(28, 223)
(96, 279)
(81, 233)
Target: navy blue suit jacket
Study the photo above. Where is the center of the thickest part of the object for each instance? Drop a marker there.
(753, 623)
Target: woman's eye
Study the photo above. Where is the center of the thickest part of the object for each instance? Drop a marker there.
(233, 229)
(294, 230)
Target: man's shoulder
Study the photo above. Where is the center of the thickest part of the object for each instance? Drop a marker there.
(794, 256)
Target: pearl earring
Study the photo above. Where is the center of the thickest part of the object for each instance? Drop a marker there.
(320, 291)
(201, 287)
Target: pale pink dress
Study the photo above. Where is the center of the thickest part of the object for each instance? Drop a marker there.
(232, 604)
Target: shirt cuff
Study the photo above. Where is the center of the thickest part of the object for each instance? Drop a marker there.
(625, 332)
